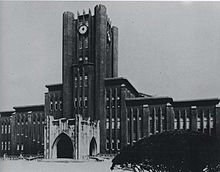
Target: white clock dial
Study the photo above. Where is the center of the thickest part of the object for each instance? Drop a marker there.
(83, 29)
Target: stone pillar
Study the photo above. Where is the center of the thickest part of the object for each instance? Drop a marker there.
(100, 59)
(69, 49)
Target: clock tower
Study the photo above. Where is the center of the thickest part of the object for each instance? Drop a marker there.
(90, 54)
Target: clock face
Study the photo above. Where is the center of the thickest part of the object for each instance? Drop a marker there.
(83, 29)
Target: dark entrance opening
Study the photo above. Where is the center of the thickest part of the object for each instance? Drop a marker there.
(64, 147)
(93, 147)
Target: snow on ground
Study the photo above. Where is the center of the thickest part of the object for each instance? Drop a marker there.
(55, 166)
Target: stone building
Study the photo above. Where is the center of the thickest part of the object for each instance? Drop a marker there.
(93, 111)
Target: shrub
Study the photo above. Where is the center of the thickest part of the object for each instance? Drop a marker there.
(172, 151)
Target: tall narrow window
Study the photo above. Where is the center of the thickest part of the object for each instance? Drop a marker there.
(86, 42)
(2, 145)
(80, 44)
(18, 146)
(85, 102)
(86, 81)
(113, 123)
(9, 145)
(9, 129)
(118, 123)
(6, 129)
(51, 105)
(107, 123)
(75, 102)
(56, 105)
(61, 105)
(2, 128)
(5, 145)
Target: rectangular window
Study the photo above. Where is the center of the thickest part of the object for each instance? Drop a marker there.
(86, 59)
(107, 123)
(6, 129)
(2, 145)
(56, 105)
(9, 129)
(22, 147)
(118, 123)
(113, 123)
(86, 81)
(18, 147)
(118, 144)
(51, 105)
(75, 102)
(61, 105)
(9, 145)
(85, 102)
(80, 44)
(5, 145)
(75, 83)
(86, 43)
(2, 129)
(80, 58)
(113, 143)
(80, 81)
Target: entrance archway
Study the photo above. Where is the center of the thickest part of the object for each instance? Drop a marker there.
(93, 147)
(63, 146)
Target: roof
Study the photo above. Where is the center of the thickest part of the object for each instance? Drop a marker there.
(138, 101)
(122, 82)
(196, 102)
(6, 113)
(29, 108)
(54, 87)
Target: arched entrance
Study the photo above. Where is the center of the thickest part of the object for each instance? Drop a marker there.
(93, 147)
(63, 146)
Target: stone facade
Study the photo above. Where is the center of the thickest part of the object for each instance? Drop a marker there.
(93, 111)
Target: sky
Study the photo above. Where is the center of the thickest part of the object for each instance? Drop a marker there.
(165, 48)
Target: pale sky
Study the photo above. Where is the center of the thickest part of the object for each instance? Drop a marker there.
(165, 48)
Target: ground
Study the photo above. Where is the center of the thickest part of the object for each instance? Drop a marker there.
(55, 166)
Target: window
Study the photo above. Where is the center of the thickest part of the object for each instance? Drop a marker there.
(86, 43)
(60, 105)
(51, 105)
(9, 129)
(80, 44)
(113, 123)
(2, 129)
(22, 147)
(6, 129)
(118, 123)
(2, 145)
(85, 102)
(80, 102)
(80, 58)
(18, 146)
(107, 123)
(9, 145)
(113, 142)
(75, 102)
(86, 59)
(86, 81)
(118, 144)
(80, 82)
(56, 105)
(75, 83)
(5, 145)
